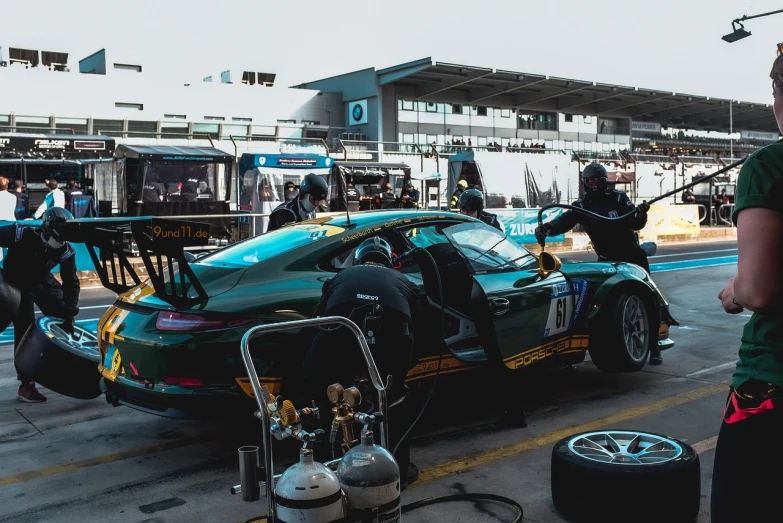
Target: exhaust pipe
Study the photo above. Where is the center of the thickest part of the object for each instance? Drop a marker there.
(248, 474)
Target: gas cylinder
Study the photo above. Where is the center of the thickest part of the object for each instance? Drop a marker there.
(370, 477)
(309, 492)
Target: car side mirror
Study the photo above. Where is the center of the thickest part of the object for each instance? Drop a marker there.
(189, 256)
(547, 264)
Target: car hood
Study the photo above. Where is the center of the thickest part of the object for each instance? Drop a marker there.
(216, 280)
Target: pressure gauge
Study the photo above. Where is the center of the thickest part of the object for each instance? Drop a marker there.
(353, 397)
(335, 393)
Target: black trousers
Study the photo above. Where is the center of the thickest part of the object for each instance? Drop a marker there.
(634, 254)
(335, 357)
(746, 477)
(48, 295)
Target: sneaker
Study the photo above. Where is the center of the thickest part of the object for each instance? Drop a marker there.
(29, 394)
(413, 475)
(655, 358)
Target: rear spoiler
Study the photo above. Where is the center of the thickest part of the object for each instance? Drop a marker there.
(161, 244)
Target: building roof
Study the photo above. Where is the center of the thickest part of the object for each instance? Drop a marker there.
(170, 152)
(446, 82)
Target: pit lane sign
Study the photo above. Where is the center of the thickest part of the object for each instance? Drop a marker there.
(46, 143)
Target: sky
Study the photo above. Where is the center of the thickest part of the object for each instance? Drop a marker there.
(671, 45)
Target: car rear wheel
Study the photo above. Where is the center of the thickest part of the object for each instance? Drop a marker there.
(620, 475)
(621, 340)
(60, 362)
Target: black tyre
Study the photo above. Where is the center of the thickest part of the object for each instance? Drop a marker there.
(59, 362)
(9, 302)
(619, 475)
(623, 336)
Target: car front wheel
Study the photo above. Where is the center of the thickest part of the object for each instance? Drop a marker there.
(621, 340)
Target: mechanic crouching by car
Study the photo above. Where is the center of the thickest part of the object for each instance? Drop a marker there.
(384, 304)
(614, 242)
(32, 254)
(312, 191)
(409, 198)
(471, 203)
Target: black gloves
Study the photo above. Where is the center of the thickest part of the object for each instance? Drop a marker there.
(541, 233)
(642, 208)
(68, 325)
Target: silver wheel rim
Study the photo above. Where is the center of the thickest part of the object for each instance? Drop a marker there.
(625, 447)
(636, 330)
(86, 345)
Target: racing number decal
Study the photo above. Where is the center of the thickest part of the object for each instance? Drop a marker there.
(562, 309)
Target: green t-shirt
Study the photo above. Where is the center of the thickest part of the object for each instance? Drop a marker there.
(760, 184)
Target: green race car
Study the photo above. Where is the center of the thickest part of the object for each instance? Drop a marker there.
(179, 355)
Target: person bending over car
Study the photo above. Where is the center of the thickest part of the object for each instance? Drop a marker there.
(618, 242)
(32, 254)
(471, 203)
(312, 191)
(381, 300)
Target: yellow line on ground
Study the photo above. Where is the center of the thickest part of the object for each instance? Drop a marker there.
(21, 477)
(705, 445)
(454, 467)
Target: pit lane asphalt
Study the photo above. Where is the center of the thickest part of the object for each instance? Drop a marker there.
(69, 460)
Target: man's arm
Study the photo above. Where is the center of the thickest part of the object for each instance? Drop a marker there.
(639, 220)
(48, 201)
(563, 223)
(70, 278)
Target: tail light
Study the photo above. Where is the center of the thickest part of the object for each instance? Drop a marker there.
(178, 321)
(183, 382)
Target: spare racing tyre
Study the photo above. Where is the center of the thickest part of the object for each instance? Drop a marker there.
(62, 363)
(625, 475)
(10, 298)
(621, 340)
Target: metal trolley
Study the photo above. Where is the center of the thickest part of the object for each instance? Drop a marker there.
(261, 392)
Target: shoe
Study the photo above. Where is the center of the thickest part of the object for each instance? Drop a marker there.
(655, 358)
(413, 475)
(29, 394)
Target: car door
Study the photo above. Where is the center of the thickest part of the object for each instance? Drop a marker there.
(531, 316)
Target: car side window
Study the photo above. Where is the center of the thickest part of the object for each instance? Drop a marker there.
(486, 249)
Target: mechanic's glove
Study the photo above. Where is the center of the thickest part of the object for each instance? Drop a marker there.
(541, 233)
(642, 208)
(67, 325)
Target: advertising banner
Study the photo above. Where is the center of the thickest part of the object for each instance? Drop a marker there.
(671, 219)
(520, 224)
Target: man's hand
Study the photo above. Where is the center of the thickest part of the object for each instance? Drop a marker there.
(642, 208)
(68, 325)
(726, 297)
(541, 233)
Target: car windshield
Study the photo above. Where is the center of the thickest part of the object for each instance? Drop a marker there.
(487, 249)
(269, 245)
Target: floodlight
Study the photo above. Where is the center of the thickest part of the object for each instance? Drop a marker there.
(738, 34)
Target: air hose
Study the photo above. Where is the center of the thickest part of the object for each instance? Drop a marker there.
(466, 497)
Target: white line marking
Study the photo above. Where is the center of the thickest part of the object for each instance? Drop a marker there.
(86, 308)
(665, 244)
(697, 267)
(689, 253)
(710, 370)
(705, 445)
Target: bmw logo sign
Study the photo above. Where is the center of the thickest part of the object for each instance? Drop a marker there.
(358, 112)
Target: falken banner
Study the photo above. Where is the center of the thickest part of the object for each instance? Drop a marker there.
(520, 224)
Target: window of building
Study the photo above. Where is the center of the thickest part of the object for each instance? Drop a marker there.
(456, 109)
(26, 57)
(481, 111)
(286, 121)
(78, 125)
(311, 122)
(107, 127)
(482, 140)
(175, 116)
(505, 113)
(407, 105)
(431, 107)
(33, 122)
(215, 118)
(264, 130)
(407, 138)
(237, 131)
(569, 117)
(138, 129)
(168, 128)
(128, 67)
(209, 129)
(240, 119)
(127, 105)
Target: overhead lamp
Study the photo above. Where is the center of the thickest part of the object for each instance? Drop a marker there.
(738, 34)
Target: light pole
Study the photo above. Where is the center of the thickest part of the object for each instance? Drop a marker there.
(739, 33)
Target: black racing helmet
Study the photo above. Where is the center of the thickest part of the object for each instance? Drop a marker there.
(53, 226)
(315, 186)
(471, 200)
(374, 250)
(595, 177)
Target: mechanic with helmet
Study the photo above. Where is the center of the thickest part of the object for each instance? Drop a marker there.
(409, 198)
(461, 186)
(617, 242)
(312, 191)
(32, 254)
(471, 203)
(290, 191)
(384, 304)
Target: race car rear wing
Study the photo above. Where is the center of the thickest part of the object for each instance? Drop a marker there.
(161, 244)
